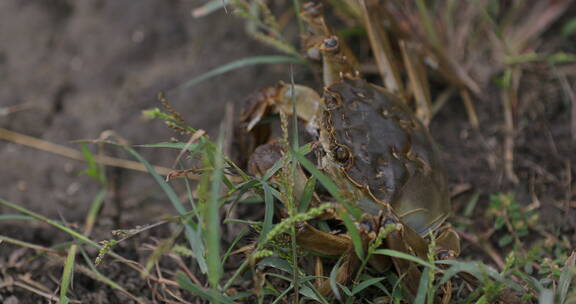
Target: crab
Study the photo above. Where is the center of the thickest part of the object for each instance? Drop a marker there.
(381, 157)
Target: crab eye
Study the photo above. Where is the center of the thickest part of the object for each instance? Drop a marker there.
(340, 154)
(331, 44)
(330, 101)
(445, 255)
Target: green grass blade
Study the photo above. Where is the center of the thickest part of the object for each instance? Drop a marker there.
(9, 240)
(323, 179)
(422, 288)
(192, 234)
(307, 194)
(240, 296)
(305, 149)
(15, 217)
(244, 222)
(234, 243)
(405, 256)
(478, 270)
(378, 285)
(67, 274)
(426, 18)
(281, 296)
(297, 9)
(95, 170)
(279, 276)
(332, 279)
(194, 237)
(209, 8)
(209, 295)
(172, 196)
(243, 188)
(48, 221)
(569, 28)
(270, 172)
(566, 277)
(77, 235)
(326, 182)
(309, 289)
(173, 145)
(240, 63)
(365, 284)
(308, 292)
(92, 215)
(268, 212)
(245, 264)
(277, 263)
(347, 291)
(471, 204)
(191, 201)
(353, 233)
(212, 219)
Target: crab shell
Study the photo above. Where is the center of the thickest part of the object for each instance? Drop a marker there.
(373, 141)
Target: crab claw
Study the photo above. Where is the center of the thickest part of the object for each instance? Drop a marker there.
(257, 105)
(448, 243)
(264, 158)
(279, 98)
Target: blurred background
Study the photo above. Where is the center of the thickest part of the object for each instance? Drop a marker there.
(74, 69)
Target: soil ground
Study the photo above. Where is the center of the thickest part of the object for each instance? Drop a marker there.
(78, 68)
(74, 69)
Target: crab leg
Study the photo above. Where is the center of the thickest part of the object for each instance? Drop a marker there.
(346, 271)
(448, 243)
(408, 271)
(322, 242)
(319, 241)
(279, 99)
(403, 239)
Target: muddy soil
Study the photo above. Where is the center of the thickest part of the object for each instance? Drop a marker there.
(73, 69)
(80, 68)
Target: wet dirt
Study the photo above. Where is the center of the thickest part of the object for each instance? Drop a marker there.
(74, 69)
(82, 68)
(543, 162)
